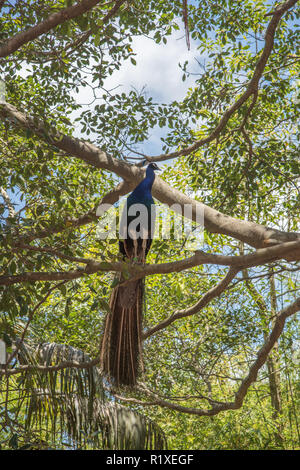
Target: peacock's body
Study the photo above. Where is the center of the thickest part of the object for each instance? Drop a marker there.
(121, 343)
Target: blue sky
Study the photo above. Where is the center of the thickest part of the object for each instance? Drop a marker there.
(157, 72)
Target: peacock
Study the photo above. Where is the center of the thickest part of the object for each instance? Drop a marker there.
(121, 345)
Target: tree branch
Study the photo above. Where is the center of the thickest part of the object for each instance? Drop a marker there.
(72, 222)
(207, 297)
(260, 360)
(51, 22)
(265, 350)
(259, 257)
(60, 366)
(51, 251)
(250, 90)
(251, 233)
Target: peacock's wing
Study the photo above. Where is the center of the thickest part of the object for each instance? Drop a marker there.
(137, 229)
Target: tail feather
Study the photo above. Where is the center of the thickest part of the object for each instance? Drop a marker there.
(120, 353)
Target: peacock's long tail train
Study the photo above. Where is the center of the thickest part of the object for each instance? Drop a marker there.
(121, 351)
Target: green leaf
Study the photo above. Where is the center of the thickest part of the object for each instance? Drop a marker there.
(115, 282)
(104, 305)
(14, 442)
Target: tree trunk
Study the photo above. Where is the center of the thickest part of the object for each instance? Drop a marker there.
(273, 365)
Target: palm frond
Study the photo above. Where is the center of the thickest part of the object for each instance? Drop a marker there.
(70, 405)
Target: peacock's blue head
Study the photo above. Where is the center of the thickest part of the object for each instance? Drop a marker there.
(153, 166)
(145, 186)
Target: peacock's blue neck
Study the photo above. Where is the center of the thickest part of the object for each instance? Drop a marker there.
(142, 193)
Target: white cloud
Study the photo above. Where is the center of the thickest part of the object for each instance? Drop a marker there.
(156, 71)
(157, 68)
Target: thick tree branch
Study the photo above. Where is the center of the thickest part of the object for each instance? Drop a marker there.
(51, 22)
(260, 360)
(251, 233)
(158, 401)
(259, 257)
